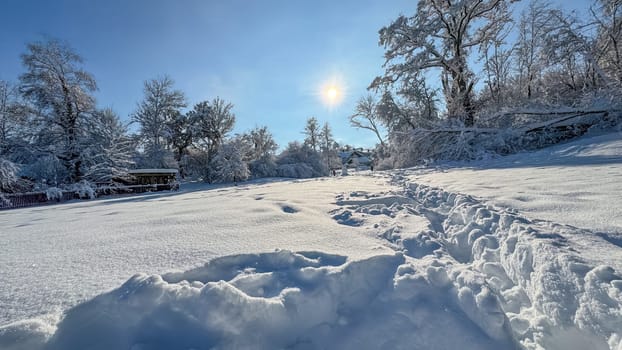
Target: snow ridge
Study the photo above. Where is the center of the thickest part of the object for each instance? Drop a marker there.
(279, 300)
(508, 273)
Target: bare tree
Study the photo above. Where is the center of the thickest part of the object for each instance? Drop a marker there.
(569, 40)
(365, 116)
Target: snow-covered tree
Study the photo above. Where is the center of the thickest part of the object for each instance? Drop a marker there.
(44, 170)
(366, 116)
(261, 142)
(328, 147)
(13, 115)
(569, 44)
(402, 116)
(180, 138)
(110, 150)
(261, 158)
(160, 105)
(156, 156)
(496, 56)
(229, 163)
(312, 133)
(607, 15)
(8, 175)
(440, 35)
(61, 92)
(530, 58)
(212, 121)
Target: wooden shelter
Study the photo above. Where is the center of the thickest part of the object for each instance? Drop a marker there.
(165, 177)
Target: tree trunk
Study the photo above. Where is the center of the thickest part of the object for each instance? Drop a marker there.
(73, 158)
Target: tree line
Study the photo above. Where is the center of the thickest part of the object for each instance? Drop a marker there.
(53, 134)
(487, 66)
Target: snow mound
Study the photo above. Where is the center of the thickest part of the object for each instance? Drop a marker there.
(277, 300)
(549, 284)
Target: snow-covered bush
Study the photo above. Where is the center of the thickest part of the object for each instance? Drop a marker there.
(423, 145)
(8, 175)
(295, 170)
(300, 161)
(54, 193)
(194, 163)
(524, 133)
(83, 189)
(4, 200)
(45, 170)
(265, 166)
(229, 163)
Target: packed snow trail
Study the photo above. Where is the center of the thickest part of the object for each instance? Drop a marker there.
(554, 286)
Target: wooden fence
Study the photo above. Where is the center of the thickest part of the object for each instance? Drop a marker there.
(21, 200)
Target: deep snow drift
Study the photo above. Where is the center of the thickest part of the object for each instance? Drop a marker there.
(383, 262)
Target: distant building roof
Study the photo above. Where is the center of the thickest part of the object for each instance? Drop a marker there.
(360, 157)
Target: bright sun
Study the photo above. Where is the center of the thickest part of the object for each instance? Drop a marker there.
(332, 93)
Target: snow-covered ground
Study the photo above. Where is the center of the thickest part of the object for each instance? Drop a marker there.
(576, 183)
(483, 257)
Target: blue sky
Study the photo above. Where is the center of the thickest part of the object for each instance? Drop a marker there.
(270, 58)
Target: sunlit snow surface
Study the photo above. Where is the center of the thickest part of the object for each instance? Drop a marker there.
(382, 261)
(577, 183)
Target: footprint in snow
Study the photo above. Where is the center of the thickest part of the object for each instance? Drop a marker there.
(289, 209)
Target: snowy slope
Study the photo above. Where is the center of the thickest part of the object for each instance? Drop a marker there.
(378, 261)
(577, 183)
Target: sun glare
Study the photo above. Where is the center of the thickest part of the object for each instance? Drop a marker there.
(332, 94)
